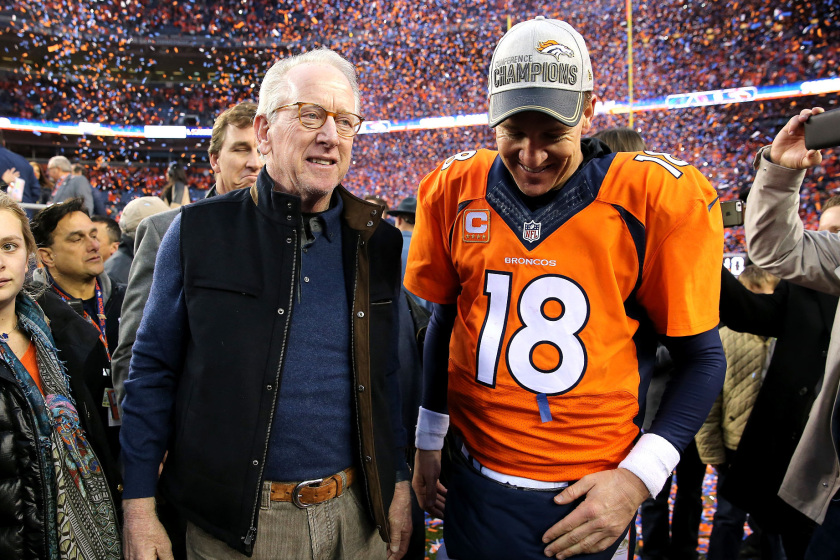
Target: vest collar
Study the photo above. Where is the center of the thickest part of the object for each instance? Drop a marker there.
(278, 207)
(360, 215)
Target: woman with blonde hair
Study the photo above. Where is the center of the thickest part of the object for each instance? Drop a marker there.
(55, 501)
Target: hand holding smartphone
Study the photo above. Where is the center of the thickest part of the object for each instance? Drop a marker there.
(823, 130)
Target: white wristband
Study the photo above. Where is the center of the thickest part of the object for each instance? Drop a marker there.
(652, 459)
(431, 429)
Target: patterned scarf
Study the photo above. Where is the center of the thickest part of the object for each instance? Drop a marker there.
(80, 517)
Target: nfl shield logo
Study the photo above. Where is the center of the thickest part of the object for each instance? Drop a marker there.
(531, 231)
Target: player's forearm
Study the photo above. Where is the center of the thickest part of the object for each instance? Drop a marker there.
(436, 357)
(433, 420)
(700, 368)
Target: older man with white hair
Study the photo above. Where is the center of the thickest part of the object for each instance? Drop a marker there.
(68, 185)
(265, 362)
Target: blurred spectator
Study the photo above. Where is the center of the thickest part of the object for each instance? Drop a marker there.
(13, 166)
(403, 216)
(784, 400)
(176, 193)
(108, 236)
(621, 139)
(747, 359)
(99, 209)
(135, 211)
(69, 186)
(43, 182)
(53, 472)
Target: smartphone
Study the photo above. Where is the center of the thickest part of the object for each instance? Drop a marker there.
(15, 190)
(733, 213)
(823, 130)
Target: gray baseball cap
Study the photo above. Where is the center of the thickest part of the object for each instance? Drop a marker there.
(540, 65)
(140, 208)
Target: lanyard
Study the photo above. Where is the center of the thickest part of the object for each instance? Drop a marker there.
(99, 324)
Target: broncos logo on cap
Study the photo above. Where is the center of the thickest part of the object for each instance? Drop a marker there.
(555, 49)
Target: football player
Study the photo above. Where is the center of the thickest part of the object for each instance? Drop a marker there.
(554, 267)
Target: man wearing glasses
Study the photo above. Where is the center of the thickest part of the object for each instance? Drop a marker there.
(254, 363)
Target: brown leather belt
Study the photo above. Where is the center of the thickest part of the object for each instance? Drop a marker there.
(311, 492)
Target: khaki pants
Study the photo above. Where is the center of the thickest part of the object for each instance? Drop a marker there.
(338, 529)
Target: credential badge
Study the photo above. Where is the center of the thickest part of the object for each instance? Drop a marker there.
(531, 231)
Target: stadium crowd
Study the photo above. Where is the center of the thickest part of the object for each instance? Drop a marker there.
(72, 317)
(414, 60)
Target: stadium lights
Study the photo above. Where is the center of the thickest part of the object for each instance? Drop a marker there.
(667, 103)
(150, 131)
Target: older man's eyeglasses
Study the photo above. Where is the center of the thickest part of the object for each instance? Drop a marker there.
(313, 116)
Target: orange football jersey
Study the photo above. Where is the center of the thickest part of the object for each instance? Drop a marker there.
(563, 304)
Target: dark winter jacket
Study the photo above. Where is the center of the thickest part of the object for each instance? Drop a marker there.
(801, 320)
(91, 363)
(119, 265)
(22, 476)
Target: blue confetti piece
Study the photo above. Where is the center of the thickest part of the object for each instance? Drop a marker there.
(545, 410)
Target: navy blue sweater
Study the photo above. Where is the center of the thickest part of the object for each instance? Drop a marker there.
(312, 433)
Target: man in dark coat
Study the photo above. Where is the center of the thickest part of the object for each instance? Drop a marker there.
(85, 359)
(73, 270)
(801, 320)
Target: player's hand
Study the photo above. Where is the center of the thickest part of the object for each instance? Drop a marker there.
(144, 538)
(612, 498)
(399, 517)
(10, 175)
(788, 149)
(431, 494)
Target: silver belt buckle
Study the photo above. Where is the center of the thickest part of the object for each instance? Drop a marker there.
(300, 486)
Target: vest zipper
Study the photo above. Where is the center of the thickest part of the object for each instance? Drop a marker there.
(355, 374)
(251, 535)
